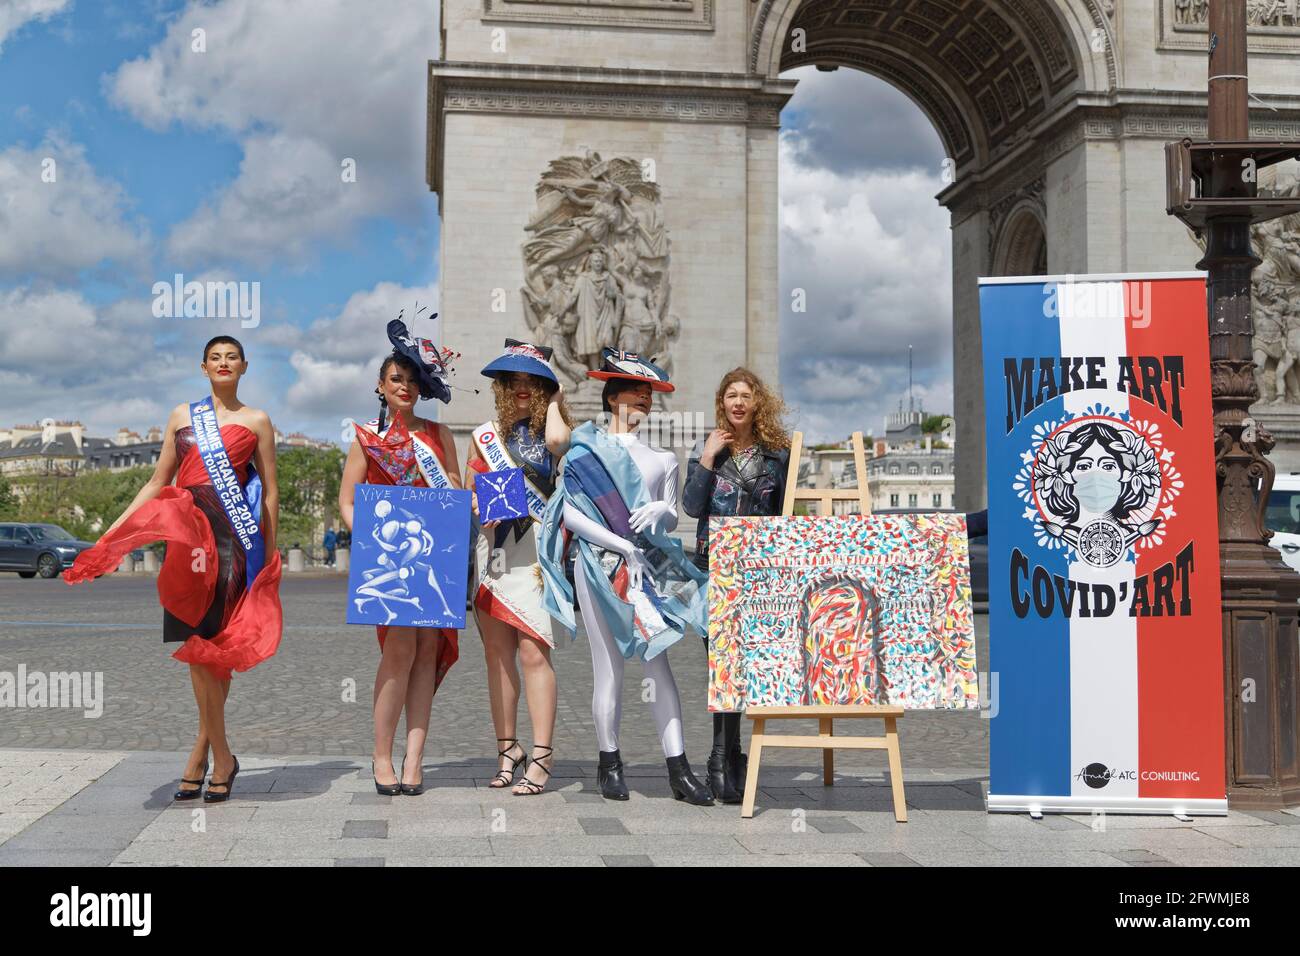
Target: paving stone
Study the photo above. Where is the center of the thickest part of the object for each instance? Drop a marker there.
(833, 825)
(360, 861)
(1138, 856)
(602, 826)
(369, 829)
(637, 859)
(888, 859)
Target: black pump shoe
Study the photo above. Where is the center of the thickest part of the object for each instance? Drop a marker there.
(229, 784)
(722, 779)
(411, 789)
(609, 776)
(685, 785)
(386, 789)
(197, 791)
(738, 772)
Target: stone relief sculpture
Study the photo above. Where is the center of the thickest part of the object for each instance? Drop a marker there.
(596, 265)
(1276, 290)
(1262, 13)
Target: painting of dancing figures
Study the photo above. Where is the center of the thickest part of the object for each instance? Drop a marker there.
(410, 556)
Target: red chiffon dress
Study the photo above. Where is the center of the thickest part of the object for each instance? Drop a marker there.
(448, 638)
(224, 624)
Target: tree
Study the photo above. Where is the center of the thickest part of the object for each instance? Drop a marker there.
(309, 481)
(935, 424)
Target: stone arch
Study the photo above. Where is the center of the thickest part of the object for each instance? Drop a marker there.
(1020, 244)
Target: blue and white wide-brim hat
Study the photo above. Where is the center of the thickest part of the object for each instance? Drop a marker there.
(522, 357)
(633, 368)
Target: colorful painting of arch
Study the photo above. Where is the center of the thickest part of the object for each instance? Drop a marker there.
(842, 609)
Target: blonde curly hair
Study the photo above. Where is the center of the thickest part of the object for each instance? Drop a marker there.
(540, 390)
(769, 409)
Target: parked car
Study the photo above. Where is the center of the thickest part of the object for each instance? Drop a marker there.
(977, 536)
(1283, 518)
(37, 548)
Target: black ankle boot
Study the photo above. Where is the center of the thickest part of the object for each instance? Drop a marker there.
(722, 779)
(685, 785)
(737, 772)
(609, 776)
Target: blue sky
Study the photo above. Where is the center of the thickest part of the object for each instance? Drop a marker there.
(225, 164)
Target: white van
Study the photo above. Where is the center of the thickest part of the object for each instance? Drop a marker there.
(1283, 517)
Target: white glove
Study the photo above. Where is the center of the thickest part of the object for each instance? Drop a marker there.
(649, 516)
(636, 567)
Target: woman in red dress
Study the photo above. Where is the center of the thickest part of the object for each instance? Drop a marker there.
(226, 622)
(413, 660)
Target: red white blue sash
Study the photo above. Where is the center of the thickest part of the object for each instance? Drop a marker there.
(487, 438)
(426, 459)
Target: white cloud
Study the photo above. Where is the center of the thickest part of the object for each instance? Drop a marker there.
(871, 251)
(336, 359)
(54, 229)
(304, 86)
(15, 14)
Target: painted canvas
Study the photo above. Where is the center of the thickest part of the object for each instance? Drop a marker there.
(410, 556)
(841, 609)
(501, 495)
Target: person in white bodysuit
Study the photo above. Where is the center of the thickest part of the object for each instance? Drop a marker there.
(627, 400)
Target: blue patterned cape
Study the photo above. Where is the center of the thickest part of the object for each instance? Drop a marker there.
(600, 478)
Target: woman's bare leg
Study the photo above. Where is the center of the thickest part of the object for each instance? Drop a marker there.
(500, 642)
(391, 682)
(539, 686)
(419, 702)
(211, 692)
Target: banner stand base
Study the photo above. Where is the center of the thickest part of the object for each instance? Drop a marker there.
(1036, 806)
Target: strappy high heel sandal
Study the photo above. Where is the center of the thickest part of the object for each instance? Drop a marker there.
(198, 786)
(505, 778)
(531, 788)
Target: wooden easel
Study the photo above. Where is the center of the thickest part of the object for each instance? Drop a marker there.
(825, 714)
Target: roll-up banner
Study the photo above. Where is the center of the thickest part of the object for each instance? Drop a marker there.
(1104, 616)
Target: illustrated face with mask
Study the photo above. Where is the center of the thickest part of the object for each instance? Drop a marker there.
(1096, 479)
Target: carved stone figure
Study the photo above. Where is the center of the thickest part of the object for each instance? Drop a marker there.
(1262, 13)
(596, 262)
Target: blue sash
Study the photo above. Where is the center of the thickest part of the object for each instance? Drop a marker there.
(242, 505)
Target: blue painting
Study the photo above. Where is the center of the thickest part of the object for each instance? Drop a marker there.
(410, 556)
(501, 495)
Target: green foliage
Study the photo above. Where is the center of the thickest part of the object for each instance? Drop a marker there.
(934, 424)
(8, 502)
(83, 504)
(309, 492)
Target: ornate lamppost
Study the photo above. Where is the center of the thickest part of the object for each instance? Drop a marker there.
(1213, 188)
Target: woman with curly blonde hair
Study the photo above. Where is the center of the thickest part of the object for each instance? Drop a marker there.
(739, 469)
(531, 432)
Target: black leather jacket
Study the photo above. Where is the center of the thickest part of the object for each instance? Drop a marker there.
(726, 490)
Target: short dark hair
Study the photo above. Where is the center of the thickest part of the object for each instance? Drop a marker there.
(224, 340)
(614, 386)
(403, 362)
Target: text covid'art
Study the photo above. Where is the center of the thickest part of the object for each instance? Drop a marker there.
(848, 609)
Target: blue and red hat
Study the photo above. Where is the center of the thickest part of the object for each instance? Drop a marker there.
(430, 361)
(630, 366)
(522, 357)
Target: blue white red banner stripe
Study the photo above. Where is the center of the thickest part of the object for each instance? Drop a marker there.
(1104, 609)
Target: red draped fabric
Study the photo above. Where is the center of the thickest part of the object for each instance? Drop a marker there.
(251, 619)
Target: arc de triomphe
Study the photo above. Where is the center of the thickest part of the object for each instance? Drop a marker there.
(611, 165)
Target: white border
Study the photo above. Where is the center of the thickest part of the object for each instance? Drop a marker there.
(1085, 277)
(1015, 803)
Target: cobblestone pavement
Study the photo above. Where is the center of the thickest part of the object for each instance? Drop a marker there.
(97, 791)
(294, 703)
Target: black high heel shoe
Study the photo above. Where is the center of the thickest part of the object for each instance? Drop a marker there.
(685, 785)
(609, 776)
(531, 788)
(385, 789)
(228, 783)
(411, 789)
(197, 791)
(505, 778)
